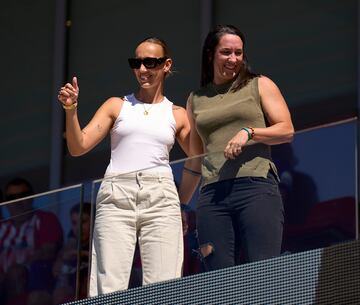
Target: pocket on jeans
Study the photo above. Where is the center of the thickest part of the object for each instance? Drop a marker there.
(123, 195)
(262, 180)
(170, 192)
(265, 186)
(105, 192)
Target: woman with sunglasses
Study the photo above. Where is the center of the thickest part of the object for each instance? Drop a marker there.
(138, 199)
(235, 116)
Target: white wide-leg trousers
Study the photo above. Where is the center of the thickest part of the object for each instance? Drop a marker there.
(137, 205)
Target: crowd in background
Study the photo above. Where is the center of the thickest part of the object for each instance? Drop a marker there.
(39, 257)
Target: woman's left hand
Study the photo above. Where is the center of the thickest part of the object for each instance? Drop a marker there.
(234, 146)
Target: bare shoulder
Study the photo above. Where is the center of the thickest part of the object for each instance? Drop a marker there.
(114, 101)
(177, 108)
(112, 106)
(266, 84)
(179, 112)
(180, 115)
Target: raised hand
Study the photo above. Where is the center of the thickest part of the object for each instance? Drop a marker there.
(68, 94)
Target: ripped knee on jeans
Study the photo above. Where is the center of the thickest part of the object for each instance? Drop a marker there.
(206, 249)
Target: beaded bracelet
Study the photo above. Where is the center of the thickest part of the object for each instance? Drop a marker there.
(250, 132)
(69, 107)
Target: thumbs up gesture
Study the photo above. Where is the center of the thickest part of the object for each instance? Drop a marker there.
(68, 94)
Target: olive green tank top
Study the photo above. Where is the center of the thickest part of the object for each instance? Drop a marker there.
(219, 115)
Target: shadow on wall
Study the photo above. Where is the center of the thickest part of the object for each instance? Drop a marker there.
(298, 189)
(310, 224)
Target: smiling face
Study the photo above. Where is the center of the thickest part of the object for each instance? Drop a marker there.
(152, 77)
(228, 58)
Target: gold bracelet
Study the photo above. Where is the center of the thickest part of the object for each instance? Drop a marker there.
(69, 107)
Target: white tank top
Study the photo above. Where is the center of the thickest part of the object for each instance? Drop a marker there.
(140, 141)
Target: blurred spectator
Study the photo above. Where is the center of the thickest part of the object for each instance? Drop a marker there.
(16, 285)
(192, 264)
(63, 295)
(65, 267)
(1, 200)
(39, 297)
(30, 237)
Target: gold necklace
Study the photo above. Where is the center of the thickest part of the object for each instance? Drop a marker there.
(146, 111)
(221, 95)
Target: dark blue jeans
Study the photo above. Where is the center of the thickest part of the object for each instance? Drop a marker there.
(239, 218)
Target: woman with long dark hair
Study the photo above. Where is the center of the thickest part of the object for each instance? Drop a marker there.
(236, 116)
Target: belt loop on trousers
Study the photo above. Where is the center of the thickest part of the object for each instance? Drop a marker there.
(138, 176)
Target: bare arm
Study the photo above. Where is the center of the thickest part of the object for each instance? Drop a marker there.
(196, 145)
(80, 141)
(281, 129)
(192, 168)
(189, 180)
(182, 128)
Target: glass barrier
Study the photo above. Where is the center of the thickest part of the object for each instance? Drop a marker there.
(317, 186)
(39, 245)
(40, 248)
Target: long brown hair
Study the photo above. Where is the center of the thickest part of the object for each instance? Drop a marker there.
(207, 65)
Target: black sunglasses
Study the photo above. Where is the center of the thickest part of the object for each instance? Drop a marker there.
(148, 62)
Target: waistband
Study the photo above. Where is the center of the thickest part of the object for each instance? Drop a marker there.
(143, 175)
